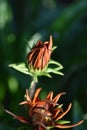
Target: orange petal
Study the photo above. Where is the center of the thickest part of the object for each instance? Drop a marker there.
(69, 126)
(50, 45)
(36, 98)
(50, 96)
(56, 112)
(58, 96)
(23, 103)
(27, 96)
(51, 103)
(64, 113)
(41, 58)
(38, 44)
(20, 118)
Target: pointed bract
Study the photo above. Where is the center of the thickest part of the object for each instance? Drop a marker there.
(20, 118)
(50, 96)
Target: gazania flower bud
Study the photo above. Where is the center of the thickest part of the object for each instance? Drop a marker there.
(40, 55)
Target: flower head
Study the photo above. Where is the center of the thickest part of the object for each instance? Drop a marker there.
(45, 113)
(39, 56)
(39, 62)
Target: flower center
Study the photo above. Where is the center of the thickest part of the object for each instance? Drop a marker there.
(41, 116)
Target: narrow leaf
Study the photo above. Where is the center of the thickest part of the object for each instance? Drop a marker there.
(20, 67)
(49, 70)
(63, 122)
(56, 63)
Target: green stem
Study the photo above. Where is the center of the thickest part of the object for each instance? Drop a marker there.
(32, 87)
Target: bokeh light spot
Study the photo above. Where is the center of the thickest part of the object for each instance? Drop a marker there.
(13, 84)
(11, 38)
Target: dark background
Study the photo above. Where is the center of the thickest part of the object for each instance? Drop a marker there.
(66, 20)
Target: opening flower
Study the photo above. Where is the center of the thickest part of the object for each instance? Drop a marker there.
(45, 113)
(40, 55)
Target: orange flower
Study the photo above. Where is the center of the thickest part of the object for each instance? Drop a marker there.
(44, 113)
(39, 56)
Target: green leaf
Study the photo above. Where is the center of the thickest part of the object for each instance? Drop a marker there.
(62, 122)
(59, 106)
(56, 69)
(56, 63)
(54, 47)
(46, 74)
(21, 67)
(34, 72)
(49, 70)
(48, 128)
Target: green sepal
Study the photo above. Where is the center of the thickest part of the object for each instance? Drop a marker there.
(54, 47)
(60, 106)
(59, 66)
(62, 122)
(48, 128)
(29, 70)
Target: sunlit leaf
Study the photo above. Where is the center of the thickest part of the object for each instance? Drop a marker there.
(56, 68)
(63, 122)
(20, 67)
(48, 128)
(46, 74)
(36, 72)
(54, 47)
(59, 66)
(59, 106)
(49, 70)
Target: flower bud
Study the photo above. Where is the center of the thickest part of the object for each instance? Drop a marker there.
(40, 55)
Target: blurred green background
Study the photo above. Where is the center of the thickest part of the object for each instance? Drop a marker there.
(24, 21)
